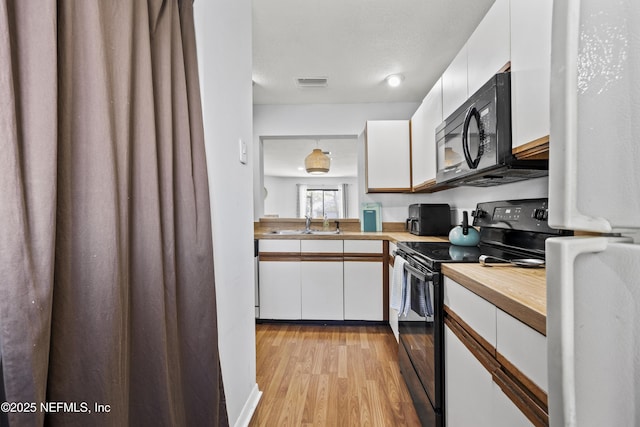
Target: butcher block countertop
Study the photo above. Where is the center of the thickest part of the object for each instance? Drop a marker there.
(521, 292)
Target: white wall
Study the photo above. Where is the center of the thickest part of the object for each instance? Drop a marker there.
(282, 194)
(318, 119)
(223, 33)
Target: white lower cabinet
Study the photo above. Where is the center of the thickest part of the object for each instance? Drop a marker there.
(363, 290)
(472, 397)
(483, 380)
(468, 386)
(321, 286)
(280, 290)
(506, 413)
(318, 279)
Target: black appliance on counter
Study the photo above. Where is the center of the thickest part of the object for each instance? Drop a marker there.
(474, 143)
(508, 229)
(429, 219)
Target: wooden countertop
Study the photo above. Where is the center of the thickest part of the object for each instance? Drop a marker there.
(392, 236)
(521, 292)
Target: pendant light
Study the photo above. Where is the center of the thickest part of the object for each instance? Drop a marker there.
(317, 162)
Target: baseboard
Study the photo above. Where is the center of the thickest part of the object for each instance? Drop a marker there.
(249, 408)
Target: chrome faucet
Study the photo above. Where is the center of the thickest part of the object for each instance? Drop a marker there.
(307, 225)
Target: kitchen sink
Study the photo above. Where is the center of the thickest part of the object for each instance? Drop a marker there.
(289, 232)
(313, 232)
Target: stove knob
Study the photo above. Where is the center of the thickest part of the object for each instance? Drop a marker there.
(478, 213)
(540, 214)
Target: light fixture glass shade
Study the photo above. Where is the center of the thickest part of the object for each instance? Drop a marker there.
(317, 162)
(394, 80)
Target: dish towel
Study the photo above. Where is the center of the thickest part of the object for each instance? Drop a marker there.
(406, 296)
(398, 283)
(422, 299)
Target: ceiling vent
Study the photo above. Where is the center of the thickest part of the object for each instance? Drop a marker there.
(312, 81)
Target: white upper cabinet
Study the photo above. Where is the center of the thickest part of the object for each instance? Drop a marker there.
(423, 138)
(530, 69)
(487, 52)
(454, 83)
(387, 144)
(489, 47)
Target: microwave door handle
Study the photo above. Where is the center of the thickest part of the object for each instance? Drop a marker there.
(472, 113)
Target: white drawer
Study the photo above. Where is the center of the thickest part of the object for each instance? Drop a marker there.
(524, 347)
(267, 245)
(363, 246)
(321, 246)
(475, 311)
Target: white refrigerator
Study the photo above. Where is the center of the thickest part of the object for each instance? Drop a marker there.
(593, 283)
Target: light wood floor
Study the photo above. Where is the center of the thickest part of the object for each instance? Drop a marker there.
(330, 376)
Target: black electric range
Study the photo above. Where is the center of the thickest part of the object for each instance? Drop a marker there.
(508, 229)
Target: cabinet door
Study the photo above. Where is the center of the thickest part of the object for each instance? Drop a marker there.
(477, 312)
(363, 290)
(387, 156)
(363, 246)
(423, 137)
(280, 290)
(530, 69)
(454, 83)
(488, 48)
(506, 413)
(469, 386)
(523, 347)
(321, 290)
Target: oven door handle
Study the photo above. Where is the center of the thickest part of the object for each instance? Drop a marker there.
(425, 277)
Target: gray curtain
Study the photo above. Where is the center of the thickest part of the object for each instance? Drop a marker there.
(106, 261)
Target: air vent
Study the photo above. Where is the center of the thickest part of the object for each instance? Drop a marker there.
(311, 81)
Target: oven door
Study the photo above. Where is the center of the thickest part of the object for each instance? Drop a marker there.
(421, 345)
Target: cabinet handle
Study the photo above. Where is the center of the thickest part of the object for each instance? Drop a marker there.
(519, 397)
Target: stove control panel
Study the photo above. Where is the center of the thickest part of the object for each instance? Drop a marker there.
(522, 215)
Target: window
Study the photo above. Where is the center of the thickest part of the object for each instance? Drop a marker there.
(320, 202)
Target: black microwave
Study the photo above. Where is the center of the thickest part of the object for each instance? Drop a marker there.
(474, 143)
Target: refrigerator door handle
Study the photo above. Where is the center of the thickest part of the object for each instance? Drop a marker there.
(561, 253)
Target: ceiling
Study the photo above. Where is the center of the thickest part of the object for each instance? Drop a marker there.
(354, 44)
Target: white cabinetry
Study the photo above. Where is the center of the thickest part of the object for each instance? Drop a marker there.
(454, 83)
(321, 279)
(486, 52)
(280, 279)
(387, 143)
(530, 69)
(477, 311)
(491, 361)
(472, 397)
(423, 138)
(363, 280)
(468, 387)
(488, 48)
(321, 290)
(362, 290)
(524, 347)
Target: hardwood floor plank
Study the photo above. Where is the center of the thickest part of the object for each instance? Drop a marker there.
(336, 375)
